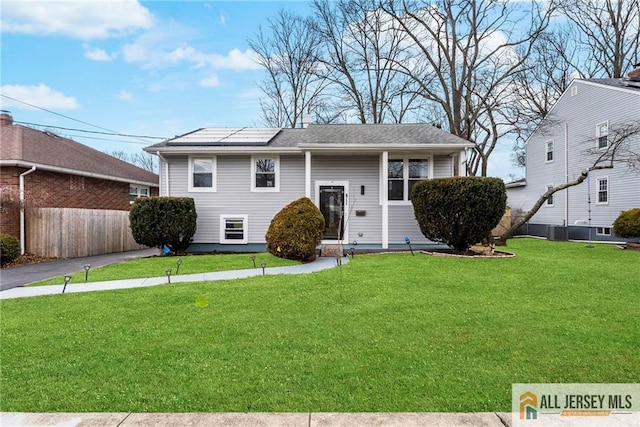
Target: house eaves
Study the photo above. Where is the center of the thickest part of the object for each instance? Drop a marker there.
(383, 147)
(57, 169)
(212, 149)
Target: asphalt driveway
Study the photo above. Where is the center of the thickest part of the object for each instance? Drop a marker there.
(19, 276)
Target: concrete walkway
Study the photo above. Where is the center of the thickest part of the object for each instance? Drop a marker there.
(321, 263)
(315, 419)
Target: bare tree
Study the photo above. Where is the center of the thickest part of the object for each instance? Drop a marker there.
(623, 149)
(546, 74)
(469, 52)
(289, 53)
(362, 45)
(608, 34)
(141, 159)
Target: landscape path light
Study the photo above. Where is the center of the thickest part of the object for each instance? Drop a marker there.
(263, 265)
(168, 273)
(67, 279)
(87, 267)
(253, 259)
(178, 263)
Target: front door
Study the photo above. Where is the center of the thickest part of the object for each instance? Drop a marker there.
(332, 204)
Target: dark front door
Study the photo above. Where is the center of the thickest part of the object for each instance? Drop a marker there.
(332, 208)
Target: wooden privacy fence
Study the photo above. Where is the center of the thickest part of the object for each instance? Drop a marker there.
(72, 233)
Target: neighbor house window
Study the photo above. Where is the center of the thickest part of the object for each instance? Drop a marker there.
(574, 90)
(602, 134)
(265, 173)
(603, 231)
(233, 229)
(202, 174)
(550, 198)
(549, 146)
(403, 174)
(603, 190)
(136, 191)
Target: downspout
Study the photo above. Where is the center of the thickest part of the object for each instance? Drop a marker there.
(22, 225)
(566, 174)
(166, 176)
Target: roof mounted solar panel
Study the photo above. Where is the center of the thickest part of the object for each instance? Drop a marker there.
(231, 137)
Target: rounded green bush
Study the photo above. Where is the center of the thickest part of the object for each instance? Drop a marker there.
(459, 211)
(628, 223)
(296, 231)
(159, 221)
(9, 248)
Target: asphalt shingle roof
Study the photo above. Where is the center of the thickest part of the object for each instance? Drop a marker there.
(28, 145)
(383, 134)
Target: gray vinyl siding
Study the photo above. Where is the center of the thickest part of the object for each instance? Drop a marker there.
(579, 115)
(442, 166)
(234, 196)
(361, 170)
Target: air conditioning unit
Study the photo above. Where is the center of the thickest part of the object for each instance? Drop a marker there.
(557, 233)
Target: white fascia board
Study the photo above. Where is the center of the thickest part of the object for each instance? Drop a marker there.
(381, 147)
(223, 150)
(49, 168)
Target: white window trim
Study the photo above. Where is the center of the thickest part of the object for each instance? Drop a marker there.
(546, 151)
(598, 233)
(255, 189)
(553, 199)
(214, 178)
(405, 177)
(138, 193)
(598, 135)
(598, 202)
(245, 229)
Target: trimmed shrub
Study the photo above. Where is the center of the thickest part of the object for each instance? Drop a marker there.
(159, 221)
(9, 248)
(296, 231)
(628, 223)
(458, 211)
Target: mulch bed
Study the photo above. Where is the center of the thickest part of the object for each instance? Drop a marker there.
(27, 259)
(472, 254)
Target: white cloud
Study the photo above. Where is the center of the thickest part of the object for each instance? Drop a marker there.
(222, 19)
(40, 95)
(123, 95)
(235, 59)
(211, 81)
(87, 19)
(96, 54)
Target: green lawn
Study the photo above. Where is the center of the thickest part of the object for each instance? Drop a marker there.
(383, 333)
(156, 267)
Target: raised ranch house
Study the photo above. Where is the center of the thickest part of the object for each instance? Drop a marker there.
(578, 128)
(50, 171)
(360, 176)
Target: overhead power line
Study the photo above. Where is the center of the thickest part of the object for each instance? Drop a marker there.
(114, 132)
(91, 131)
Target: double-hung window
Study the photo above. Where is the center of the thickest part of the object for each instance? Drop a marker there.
(602, 134)
(403, 174)
(202, 174)
(136, 191)
(233, 229)
(550, 198)
(265, 173)
(602, 185)
(549, 150)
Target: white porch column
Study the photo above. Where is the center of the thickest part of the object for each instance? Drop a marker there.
(307, 174)
(384, 171)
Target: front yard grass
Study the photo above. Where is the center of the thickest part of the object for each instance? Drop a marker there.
(156, 267)
(383, 333)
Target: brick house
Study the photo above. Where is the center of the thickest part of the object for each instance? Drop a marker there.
(58, 172)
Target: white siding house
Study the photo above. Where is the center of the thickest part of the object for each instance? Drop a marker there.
(578, 128)
(359, 176)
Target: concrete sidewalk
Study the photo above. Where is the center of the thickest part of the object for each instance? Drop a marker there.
(315, 419)
(321, 263)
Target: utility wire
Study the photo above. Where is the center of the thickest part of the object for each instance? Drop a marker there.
(90, 131)
(67, 117)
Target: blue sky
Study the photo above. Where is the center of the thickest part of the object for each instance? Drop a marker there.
(158, 68)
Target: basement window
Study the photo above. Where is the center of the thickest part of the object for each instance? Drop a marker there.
(233, 229)
(603, 231)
